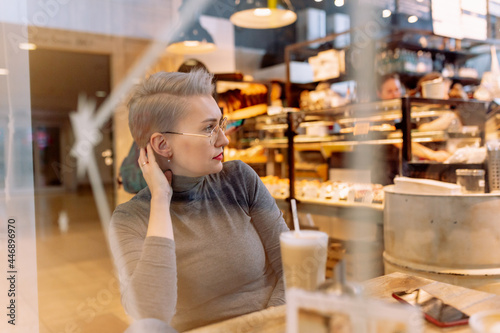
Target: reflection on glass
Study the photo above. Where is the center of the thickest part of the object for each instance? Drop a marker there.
(2, 160)
(47, 156)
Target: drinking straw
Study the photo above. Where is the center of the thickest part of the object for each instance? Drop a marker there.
(295, 215)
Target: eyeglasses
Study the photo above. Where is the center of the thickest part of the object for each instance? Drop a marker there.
(214, 134)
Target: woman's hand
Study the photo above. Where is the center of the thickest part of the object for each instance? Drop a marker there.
(440, 155)
(160, 222)
(157, 180)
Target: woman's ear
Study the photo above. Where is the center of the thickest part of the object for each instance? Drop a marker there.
(160, 145)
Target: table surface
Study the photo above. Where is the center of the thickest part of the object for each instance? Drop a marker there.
(272, 320)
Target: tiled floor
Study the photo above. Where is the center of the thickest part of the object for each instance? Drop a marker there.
(77, 288)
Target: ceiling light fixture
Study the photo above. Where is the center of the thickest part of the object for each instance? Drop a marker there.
(412, 19)
(386, 13)
(339, 3)
(192, 40)
(263, 14)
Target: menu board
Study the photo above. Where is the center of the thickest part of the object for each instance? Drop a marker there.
(474, 6)
(460, 19)
(446, 18)
(419, 8)
(494, 7)
(474, 21)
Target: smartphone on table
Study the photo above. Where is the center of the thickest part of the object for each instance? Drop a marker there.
(434, 309)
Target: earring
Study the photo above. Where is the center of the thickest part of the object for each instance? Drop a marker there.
(168, 161)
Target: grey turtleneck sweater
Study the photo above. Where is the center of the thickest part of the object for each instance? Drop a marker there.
(225, 260)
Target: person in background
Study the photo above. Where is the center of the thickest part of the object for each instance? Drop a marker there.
(384, 159)
(448, 119)
(389, 87)
(200, 243)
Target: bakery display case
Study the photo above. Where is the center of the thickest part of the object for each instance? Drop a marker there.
(453, 129)
(241, 101)
(413, 137)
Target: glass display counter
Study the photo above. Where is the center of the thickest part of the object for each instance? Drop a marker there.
(412, 137)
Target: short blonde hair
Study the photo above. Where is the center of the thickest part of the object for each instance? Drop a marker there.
(161, 100)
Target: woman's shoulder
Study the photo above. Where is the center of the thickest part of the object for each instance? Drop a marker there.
(238, 172)
(142, 197)
(237, 168)
(239, 175)
(136, 207)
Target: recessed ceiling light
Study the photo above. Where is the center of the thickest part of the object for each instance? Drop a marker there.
(412, 19)
(339, 3)
(386, 13)
(27, 46)
(4, 71)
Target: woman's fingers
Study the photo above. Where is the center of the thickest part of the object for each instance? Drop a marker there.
(143, 160)
(151, 155)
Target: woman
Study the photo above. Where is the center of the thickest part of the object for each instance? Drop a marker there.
(200, 244)
(389, 87)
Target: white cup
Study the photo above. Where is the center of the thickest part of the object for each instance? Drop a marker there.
(435, 89)
(304, 255)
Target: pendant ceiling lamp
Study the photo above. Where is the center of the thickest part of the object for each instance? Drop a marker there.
(191, 38)
(263, 14)
(192, 41)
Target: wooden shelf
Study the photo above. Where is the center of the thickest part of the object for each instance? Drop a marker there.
(251, 111)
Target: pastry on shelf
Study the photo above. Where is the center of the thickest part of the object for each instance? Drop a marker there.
(250, 155)
(333, 191)
(382, 128)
